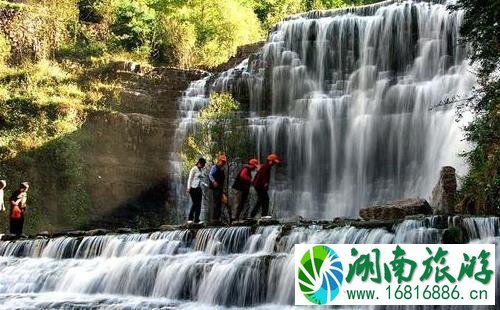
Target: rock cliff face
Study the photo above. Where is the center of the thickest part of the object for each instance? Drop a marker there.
(126, 154)
(128, 151)
(113, 171)
(242, 53)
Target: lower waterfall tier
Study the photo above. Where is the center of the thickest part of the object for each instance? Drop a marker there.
(221, 266)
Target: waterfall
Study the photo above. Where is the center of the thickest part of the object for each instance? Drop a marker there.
(187, 269)
(352, 101)
(481, 228)
(192, 101)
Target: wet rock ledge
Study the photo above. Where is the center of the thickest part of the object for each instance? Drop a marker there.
(453, 229)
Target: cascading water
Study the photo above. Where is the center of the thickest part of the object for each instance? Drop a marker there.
(351, 100)
(345, 98)
(225, 266)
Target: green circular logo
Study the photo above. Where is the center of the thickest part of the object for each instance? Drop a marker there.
(320, 275)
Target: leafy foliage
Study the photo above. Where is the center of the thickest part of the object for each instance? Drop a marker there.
(176, 44)
(133, 24)
(219, 130)
(196, 33)
(271, 12)
(4, 4)
(481, 30)
(41, 102)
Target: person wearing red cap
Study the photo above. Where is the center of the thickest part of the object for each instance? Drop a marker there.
(261, 185)
(217, 178)
(241, 186)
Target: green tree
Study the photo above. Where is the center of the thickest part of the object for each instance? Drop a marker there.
(481, 31)
(222, 26)
(271, 12)
(133, 24)
(176, 42)
(219, 130)
(194, 33)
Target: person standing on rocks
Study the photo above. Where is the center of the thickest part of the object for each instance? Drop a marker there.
(195, 181)
(261, 185)
(18, 208)
(3, 184)
(241, 186)
(217, 178)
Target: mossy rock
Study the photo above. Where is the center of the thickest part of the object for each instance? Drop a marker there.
(453, 235)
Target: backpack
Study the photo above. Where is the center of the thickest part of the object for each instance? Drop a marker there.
(16, 213)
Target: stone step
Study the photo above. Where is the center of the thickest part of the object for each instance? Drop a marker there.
(285, 223)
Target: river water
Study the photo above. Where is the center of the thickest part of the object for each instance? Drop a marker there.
(209, 268)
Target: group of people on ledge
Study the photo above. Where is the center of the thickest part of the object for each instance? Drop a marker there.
(240, 190)
(18, 206)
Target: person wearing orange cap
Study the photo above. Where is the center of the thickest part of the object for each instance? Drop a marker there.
(261, 185)
(241, 186)
(217, 178)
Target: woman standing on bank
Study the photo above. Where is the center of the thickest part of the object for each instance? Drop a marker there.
(18, 208)
(3, 184)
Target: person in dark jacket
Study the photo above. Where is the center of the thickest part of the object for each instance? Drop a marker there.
(261, 185)
(18, 202)
(217, 178)
(241, 186)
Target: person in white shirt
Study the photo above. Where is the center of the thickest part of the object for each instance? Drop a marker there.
(3, 184)
(195, 180)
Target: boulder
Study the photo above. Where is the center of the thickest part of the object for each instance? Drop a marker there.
(9, 237)
(444, 193)
(44, 234)
(76, 233)
(124, 230)
(167, 227)
(97, 232)
(340, 221)
(294, 220)
(56, 234)
(374, 224)
(123, 65)
(396, 210)
(453, 235)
